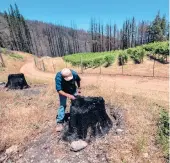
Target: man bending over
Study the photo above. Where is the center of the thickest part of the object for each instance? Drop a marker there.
(66, 82)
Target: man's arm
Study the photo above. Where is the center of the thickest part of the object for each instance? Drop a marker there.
(78, 83)
(78, 79)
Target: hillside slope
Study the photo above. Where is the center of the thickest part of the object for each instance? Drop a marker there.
(4, 32)
(40, 40)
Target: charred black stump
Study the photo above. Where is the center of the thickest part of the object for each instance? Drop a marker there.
(17, 81)
(87, 117)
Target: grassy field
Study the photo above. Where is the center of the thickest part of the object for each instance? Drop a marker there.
(13, 62)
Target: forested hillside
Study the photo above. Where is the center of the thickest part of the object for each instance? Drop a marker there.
(41, 39)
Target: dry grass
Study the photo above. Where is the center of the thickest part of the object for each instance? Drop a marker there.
(24, 115)
(13, 63)
(141, 116)
(35, 81)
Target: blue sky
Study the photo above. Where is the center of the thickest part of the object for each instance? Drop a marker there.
(80, 11)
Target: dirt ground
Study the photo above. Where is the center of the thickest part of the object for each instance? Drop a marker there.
(28, 119)
(156, 88)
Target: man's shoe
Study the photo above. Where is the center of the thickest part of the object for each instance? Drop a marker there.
(59, 127)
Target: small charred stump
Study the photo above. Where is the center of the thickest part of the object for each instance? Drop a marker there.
(17, 81)
(87, 117)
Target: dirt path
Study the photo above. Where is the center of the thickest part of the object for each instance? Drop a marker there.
(155, 88)
(29, 70)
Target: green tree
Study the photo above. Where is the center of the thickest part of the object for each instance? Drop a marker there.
(164, 26)
(20, 36)
(156, 29)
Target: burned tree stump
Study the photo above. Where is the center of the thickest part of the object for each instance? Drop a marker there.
(17, 81)
(87, 117)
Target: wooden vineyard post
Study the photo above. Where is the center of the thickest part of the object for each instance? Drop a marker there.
(154, 68)
(38, 65)
(53, 66)
(81, 65)
(3, 64)
(122, 65)
(35, 62)
(100, 68)
(166, 59)
(43, 65)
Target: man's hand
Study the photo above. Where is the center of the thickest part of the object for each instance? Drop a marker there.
(78, 91)
(71, 97)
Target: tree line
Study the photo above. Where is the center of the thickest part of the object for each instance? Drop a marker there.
(29, 36)
(59, 43)
(42, 39)
(109, 37)
(20, 37)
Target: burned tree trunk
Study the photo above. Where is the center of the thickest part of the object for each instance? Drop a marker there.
(17, 81)
(87, 117)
